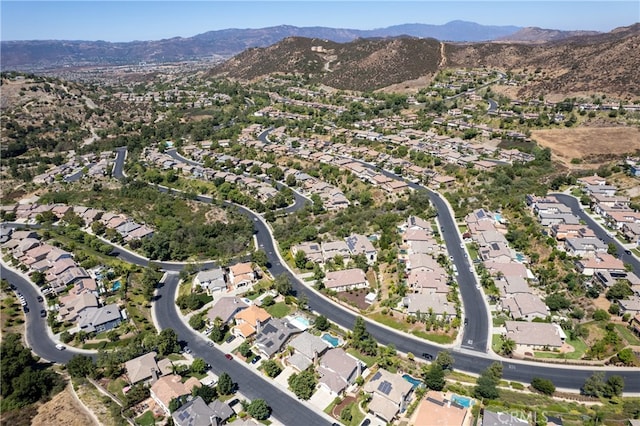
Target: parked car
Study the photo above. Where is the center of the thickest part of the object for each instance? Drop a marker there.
(366, 422)
(60, 347)
(40, 299)
(228, 356)
(43, 313)
(230, 339)
(256, 359)
(426, 355)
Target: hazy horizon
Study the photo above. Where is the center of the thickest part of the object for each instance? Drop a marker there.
(125, 21)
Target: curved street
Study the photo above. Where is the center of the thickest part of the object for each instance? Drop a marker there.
(470, 358)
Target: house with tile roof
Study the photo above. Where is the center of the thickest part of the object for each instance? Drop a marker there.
(534, 335)
(169, 387)
(226, 309)
(249, 321)
(348, 279)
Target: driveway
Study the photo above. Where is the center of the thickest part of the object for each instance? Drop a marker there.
(321, 399)
(284, 376)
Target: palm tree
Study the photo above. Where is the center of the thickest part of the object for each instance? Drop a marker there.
(508, 346)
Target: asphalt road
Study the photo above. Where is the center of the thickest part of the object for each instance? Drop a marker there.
(473, 361)
(286, 408)
(601, 233)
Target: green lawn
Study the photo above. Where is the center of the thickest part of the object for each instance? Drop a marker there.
(437, 338)
(279, 310)
(389, 321)
(367, 360)
(631, 338)
(579, 346)
(496, 343)
(146, 419)
(115, 387)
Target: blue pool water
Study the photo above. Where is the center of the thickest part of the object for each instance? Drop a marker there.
(302, 320)
(414, 382)
(116, 286)
(497, 217)
(333, 341)
(520, 257)
(462, 400)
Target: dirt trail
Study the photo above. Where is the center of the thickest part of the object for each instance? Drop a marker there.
(443, 57)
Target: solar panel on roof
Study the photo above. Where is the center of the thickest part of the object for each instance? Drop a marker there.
(435, 401)
(377, 375)
(385, 387)
(480, 214)
(495, 246)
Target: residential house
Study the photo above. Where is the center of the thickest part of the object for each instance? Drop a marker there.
(197, 413)
(584, 247)
(307, 350)
(599, 262)
(101, 319)
(72, 306)
(211, 280)
(390, 394)
(249, 321)
(242, 274)
(630, 306)
(145, 368)
(525, 306)
(534, 335)
(333, 249)
(359, 244)
(429, 303)
(631, 231)
(338, 370)
(226, 309)
(273, 334)
(348, 279)
(169, 387)
(437, 410)
(312, 251)
(491, 418)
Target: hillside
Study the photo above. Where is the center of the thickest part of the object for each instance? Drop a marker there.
(592, 62)
(364, 64)
(34, 55)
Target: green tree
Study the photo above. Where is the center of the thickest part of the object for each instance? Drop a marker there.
(626, 356)
(601, 315)
(545, 386)
(244, 349)
(620, 290)
(614, 386)
(321, 323)
(81, 366)
(445, 360)
(434, 377)
(271, 368)
(225, 384)
(198, 366)
(487, 383)
(282, 284)
(258, 409)
(594, 385)
(508, 346)
(300, 259)
(207, 393)
(259, 257)
(167, 342)
(345, 414)
(303, 384)
(197, 322)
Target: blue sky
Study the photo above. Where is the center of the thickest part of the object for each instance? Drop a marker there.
(153, 20)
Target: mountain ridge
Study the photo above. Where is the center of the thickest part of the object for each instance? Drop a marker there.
(30, 55)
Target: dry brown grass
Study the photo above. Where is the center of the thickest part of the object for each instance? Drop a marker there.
(593, 146)
(63, 409)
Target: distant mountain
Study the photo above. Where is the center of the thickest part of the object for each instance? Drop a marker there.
(46, 54)
(541, 35)
(591, 63)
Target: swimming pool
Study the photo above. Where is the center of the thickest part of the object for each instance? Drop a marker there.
(300, 322)
(462, 400)
(413, 381)
(333, 341)
(498, 217)
(116, 286)
(520, 258)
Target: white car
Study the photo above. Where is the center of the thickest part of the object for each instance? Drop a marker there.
(60, 347)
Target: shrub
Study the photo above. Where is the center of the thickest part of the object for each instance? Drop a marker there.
(545, 386)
